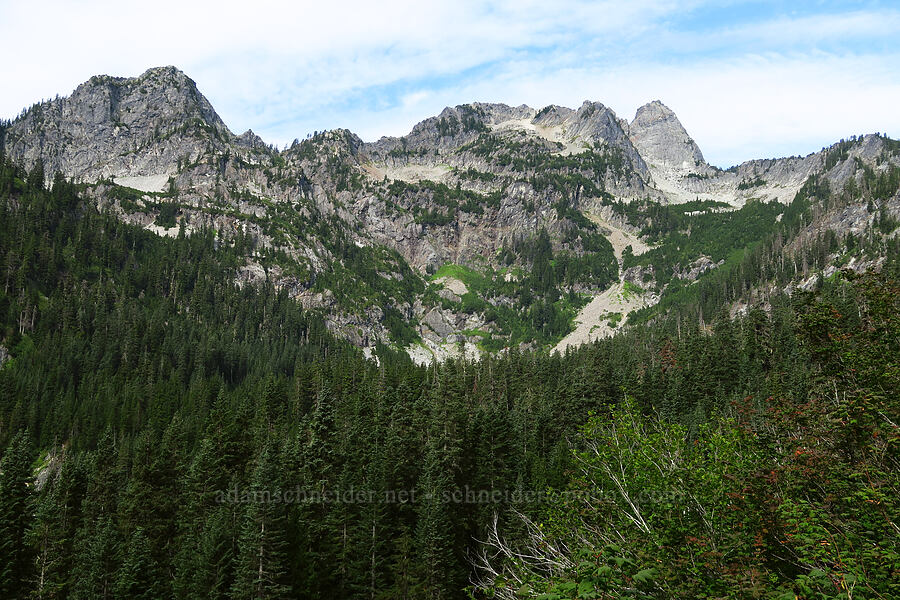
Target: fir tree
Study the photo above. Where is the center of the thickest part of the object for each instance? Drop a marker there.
(262, 561)
(16, 483)
(139, 576)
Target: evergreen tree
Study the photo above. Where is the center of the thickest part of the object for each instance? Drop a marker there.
(16, 483)
(435, 535)
(56, 523)
(97, 561)
(139, 576)
(262, 561)
(98, 545)
(36, 175)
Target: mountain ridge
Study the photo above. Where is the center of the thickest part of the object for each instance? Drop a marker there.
(492, 188)
(178, 77)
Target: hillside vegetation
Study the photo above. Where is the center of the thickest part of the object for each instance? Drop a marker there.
(155, 413)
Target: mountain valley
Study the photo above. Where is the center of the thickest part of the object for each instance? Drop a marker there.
(517, 353)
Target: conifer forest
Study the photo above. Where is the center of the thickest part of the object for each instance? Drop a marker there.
(168, 433)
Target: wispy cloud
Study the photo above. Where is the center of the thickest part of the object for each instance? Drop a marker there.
(747, 78)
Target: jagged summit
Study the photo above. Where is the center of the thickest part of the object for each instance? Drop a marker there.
(662, 140)
(556, 128)
(137, 126)
(552, 114)
(143, 130)
(250, 139)
(357, 228)
(651, 111)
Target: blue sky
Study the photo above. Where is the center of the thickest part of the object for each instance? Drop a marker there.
(747, 79)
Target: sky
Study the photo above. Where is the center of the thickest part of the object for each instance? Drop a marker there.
(747, 79)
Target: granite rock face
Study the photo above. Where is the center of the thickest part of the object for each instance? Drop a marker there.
(661, 140)
(457, 139)
(113, 126)
(697, 268)
(594, 121)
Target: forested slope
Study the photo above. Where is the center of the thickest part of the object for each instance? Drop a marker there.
(154, 415)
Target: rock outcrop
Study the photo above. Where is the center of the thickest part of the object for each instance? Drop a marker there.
(465, 186)
(120, 127)
(663, 142)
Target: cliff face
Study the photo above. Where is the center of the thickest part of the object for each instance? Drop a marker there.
(662, 141)
(470, 186)
(111, 126)
(680, 172)
(146, 129)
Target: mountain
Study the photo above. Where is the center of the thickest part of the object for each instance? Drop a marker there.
(128, 128)
(183, 414)
(661, 139)
(487, 226)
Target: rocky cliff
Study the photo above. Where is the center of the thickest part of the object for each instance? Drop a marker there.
(142, 127)
(379, 236)
(663, 142)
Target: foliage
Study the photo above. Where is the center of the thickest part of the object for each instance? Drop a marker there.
(793, 495)
(174, 409)
(749, 184)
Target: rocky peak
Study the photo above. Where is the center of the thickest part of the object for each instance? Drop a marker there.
(653, 112)
(494, 113)
(598, 124)
(343, 141)
(251, 140)
(594, 120)
(453, 127)
(553, 115)
(166, 92)
(661, 139)
(115, 126)
(326, 146)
